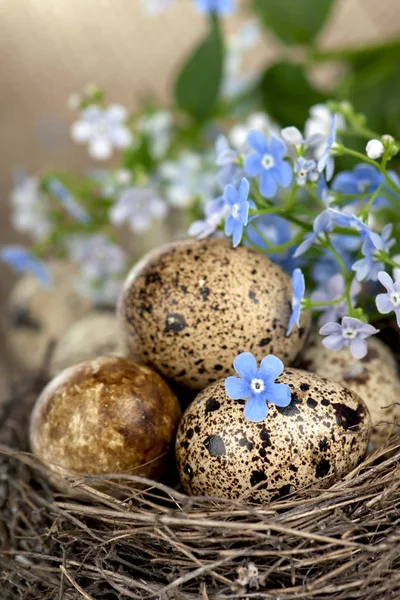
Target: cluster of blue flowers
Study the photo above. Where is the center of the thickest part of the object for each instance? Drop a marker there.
(280, 196)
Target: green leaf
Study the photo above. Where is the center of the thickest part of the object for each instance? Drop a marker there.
(198, 83)
(374, 89)
(287, 94)
(294, 21)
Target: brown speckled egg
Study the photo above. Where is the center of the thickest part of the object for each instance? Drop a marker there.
(323, 432)
(190, 307)
(107, 415)
(374, 378)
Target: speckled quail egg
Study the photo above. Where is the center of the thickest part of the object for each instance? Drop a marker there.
(190, 307)
(374, 378)
(97, 334)
(322, 433)
(38, 315)
(107, 415)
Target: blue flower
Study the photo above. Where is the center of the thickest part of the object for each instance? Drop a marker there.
(276, 230)
(239, 205)
(257, 386)
(367, 268)
(138, 206)
(351, 333)
(267, 163)
(72, 207)
(389, 301)
(299, 289)
(363, 180)
(323, 222)
(219, 7)
(326, 162)
(23, 261)
(305, 170)
(214, 211)
(99, 259)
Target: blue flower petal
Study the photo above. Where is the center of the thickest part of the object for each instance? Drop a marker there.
(283, 173)
(230, 194)
(237, 233)
(267, 184)
(243, 190)
(245, 365)
(236, 388)
(256, 409)
(229, 225)
(323, 222)
(294, 319)
(252, 165)
(258, 142)
(244, 212)
(279, 394)
(298, 284)
(305, 244)
(271, 367)
(278, 148)
(23, 261)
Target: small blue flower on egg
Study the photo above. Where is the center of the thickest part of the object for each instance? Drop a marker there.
(257, 386)
(299, 289)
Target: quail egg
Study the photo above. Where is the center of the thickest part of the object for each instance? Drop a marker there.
(374, 378)
(323, 433)
(107, 415)
(190, 307)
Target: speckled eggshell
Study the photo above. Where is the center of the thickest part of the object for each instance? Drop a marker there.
(107, 415)
(323, 432)
(190, 307)
(374, 378)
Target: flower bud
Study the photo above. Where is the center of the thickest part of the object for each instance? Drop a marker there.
(374, 149)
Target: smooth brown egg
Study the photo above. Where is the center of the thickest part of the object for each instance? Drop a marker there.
(323, 433)
(374, 378)
(188, 308)
(107, 415)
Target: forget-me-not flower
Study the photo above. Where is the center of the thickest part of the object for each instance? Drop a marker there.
(186, 179)
(239, 204)
(298, 289)
(331, 290)
(367, 268)
(324, 222)
(30, 208)
(257, 386)
(103, 129)
(21, 260)
(305, 170)
(98, 257)
(363, 181)
(267, 163)
(351, 333)
(218, 7)
(390, 301)
(227, 159)
(138, 206)
(215, 212)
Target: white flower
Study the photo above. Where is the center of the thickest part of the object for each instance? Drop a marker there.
(374, 149)
(29, 209)
(320, 121)
(158, 127)
(138, 207)
(97, 256)
(292, 136)
(102, 129)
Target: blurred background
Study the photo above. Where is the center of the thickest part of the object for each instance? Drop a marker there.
(52, 48)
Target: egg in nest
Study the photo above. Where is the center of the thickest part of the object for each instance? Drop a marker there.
(323, 433)
(374, 378)
(188, 308)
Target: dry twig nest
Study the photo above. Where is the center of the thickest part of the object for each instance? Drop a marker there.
(338, 543)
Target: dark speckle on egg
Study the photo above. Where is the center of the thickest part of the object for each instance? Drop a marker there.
(310, 441)
(188, 309)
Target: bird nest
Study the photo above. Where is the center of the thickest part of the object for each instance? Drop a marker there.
(341, 542)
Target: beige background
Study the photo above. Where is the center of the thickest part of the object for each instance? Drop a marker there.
(50, 48)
